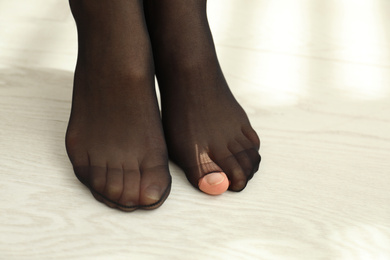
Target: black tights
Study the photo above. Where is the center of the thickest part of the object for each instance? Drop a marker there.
(116, 140)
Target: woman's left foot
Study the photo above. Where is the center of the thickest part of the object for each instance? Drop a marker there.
(206, 130)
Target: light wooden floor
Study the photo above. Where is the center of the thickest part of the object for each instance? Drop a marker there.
(314, 77)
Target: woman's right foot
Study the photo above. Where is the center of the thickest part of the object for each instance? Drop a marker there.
(115, 139)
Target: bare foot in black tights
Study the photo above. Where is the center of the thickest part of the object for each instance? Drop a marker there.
(206, 130)
(115, 139)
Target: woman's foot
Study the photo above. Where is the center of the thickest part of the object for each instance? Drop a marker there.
(206, 130)
(115, 139)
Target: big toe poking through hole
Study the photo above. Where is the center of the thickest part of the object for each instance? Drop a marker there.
(214, 183)
(215, 175)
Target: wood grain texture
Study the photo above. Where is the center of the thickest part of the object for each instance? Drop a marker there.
(314, 77)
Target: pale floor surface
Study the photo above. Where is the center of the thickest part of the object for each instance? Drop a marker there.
(314, 77)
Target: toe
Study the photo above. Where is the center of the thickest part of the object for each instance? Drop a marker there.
(231, 167)
(214, 183)
(97, 178)
(239, 152)
(131, 186)
(105, 184)
(114, 184)
(202, 165)
(239, 181)
(255, 158)
(155, 186)
(251, 135)
(152, 194)
(252, 151)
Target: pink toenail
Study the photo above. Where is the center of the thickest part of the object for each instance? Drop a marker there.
(214, 183)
